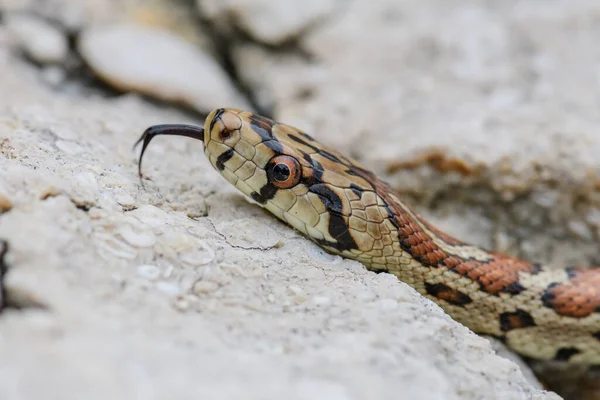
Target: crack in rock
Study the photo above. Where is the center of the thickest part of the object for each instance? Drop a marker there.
(277, 245)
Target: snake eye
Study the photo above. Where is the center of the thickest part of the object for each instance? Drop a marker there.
(284, 172)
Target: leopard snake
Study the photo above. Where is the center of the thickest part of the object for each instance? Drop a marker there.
(539, 312)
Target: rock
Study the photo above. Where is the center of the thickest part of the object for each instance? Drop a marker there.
(43, 42)
(137, 58)
(266, 21)
(172, 307)
(180, 302)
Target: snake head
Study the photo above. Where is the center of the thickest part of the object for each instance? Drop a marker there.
(285, 170)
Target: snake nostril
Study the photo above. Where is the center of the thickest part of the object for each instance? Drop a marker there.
(225, 134)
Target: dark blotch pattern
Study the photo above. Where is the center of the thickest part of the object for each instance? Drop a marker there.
(514, 288)
(448, 294)
(515, 320)
(357, 190)
(304, 143)
(577, 298)
(223, 158)
(274, 145)
(267, 192)
(216, 118)
(306, 135)
(262, 126)
(330, 199)
(330, 156)
(548, 296)
(338, 228)
(316, 174)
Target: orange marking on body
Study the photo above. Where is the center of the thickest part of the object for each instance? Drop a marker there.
(578, 298)
(496, 275)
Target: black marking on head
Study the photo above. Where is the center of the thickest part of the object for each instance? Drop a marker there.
(331, 157)
(307, 157)
(368, 176)
(391, 215)
(267, 192)
(304, 143)
(223, 158)
(338, 228)
(565, 353)
(317, 171)
(364, 173)
(216, 118)
(274, 145)
(515, 320)
(330, 199)
(448, 294)
(514, 288)
(596, 335)
(262, 126)
(548, 297)
(356, 189)
(306, 135)
(317, 150)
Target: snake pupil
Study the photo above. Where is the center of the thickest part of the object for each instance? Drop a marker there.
(281, 172)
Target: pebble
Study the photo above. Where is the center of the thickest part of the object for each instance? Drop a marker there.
(136, 238)
(181, 304)
(109, 247)
(191, 250)
(41, 41)
(204, 287)
(169, 288)
(157, 63)
(151, 215)
(124, 199)
(88, 180)
(268, 21)
(147, 271)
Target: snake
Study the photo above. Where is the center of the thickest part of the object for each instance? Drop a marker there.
(539, 312)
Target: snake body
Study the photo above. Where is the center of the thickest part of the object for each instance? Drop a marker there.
(539, 312)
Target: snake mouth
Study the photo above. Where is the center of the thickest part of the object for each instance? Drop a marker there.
(191, 131)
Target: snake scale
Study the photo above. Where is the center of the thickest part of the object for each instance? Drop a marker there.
(539, 312)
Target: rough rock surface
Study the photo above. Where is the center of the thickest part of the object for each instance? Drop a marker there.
(183, 289)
